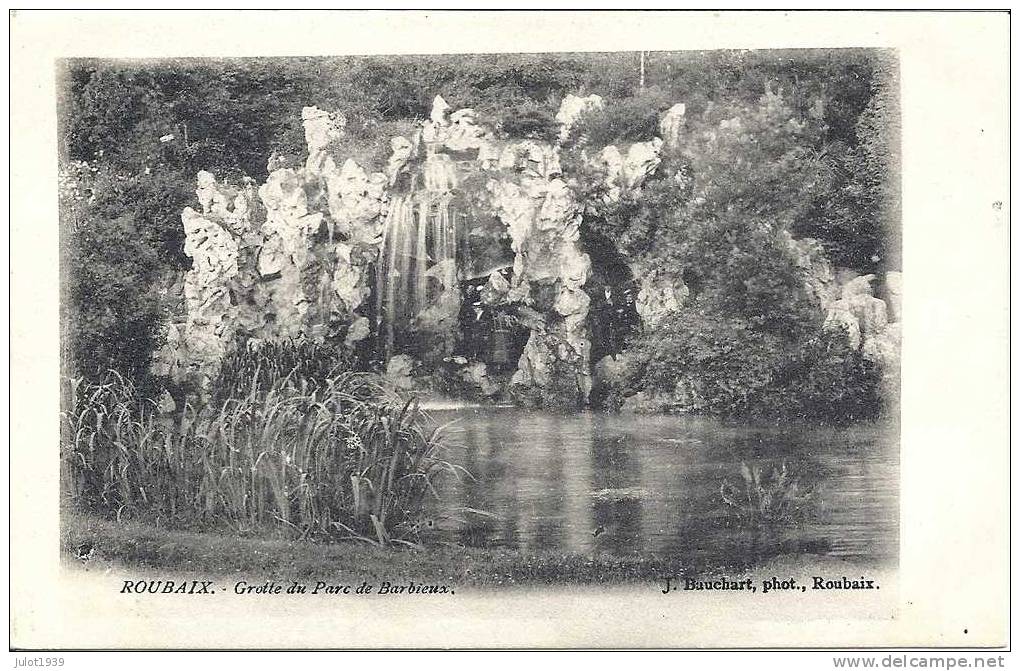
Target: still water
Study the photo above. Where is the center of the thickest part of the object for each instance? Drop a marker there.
(654, 486)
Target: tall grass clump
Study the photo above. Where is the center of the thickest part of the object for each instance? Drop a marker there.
(254, 367)
(334, 456)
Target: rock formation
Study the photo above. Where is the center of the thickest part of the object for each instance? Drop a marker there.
(849, 303)
(672, 124)
(660, 295)
(288, 260)
(625, 173)
(572, 108)
(866, 321)
(302, 255)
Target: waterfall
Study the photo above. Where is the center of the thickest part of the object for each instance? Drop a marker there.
(418, 258)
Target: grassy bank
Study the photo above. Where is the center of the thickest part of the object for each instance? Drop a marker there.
(134, 545)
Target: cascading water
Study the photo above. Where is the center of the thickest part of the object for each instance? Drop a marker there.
(418, 260)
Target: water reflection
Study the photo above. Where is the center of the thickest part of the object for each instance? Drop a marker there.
(625, 485)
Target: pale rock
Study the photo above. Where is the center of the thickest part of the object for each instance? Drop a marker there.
(166, 404)
(572, 302)
(516, 207)
(214, 251)
(575, 267)
(883, 347)
(321, 128)
(543, 219)
(488, 155)
(210, 314)
(358, 331)
(611, 160)
(626, 173)
(398, 371)
(227, 204)
(671, 125)
(476, 374)
(321, 230)
(348, 281)
(894, 288)
(311, 284)
(819, 275)
(271, 257)
(356, 202)
(432, 134)
(643, 158)
(610, 370)
(456, 133)
(283, 192)
(287, 231)
(532, 159)
(463, 116)
(495, 290)
(206, 190)
(863, 316)
(463, 134)
(572, 107)
(560, 211)
(870, 312)
(661, 295)
(858, 286)
(439, 110)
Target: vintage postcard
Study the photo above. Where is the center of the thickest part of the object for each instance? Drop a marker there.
(509, 330)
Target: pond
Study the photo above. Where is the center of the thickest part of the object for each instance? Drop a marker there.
(656, 486)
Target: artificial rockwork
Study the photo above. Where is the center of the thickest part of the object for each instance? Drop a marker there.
(379, 260)
(294, 258)
(289, 259)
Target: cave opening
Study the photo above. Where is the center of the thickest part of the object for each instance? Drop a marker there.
(613, 289)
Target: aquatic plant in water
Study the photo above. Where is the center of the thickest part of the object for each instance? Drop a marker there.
(764, 497)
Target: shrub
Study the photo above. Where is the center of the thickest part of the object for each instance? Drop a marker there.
(113, 310)
(347, 459)
(123, 240)
(622, 120)
(530, 120)
(705, 363)
(824, 379)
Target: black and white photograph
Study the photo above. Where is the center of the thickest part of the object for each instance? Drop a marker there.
(465, 331)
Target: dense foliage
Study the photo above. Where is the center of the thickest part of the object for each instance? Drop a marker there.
(623, 120)
(707, 363)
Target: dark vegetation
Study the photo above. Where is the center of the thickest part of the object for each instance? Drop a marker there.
(775, 141)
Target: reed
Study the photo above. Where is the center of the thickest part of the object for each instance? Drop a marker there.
(335, 455)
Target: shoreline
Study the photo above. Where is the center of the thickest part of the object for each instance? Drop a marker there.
(132, 547)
